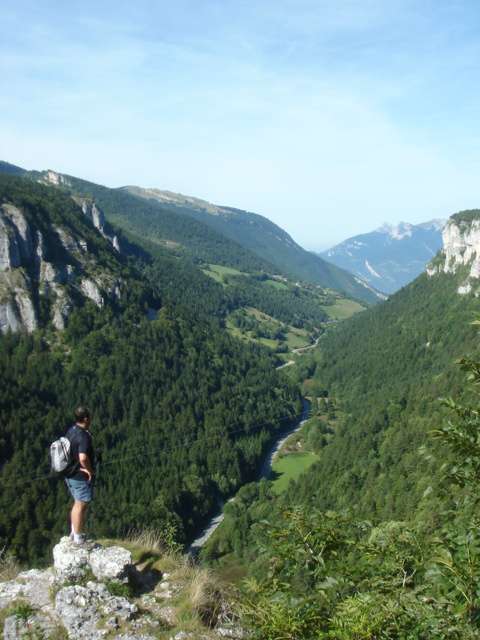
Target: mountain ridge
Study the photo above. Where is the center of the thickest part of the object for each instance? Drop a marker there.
(265, 239)
(391, 256)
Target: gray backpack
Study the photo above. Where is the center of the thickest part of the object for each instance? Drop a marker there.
(61, 455)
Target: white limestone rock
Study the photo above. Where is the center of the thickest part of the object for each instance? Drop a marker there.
(81, 609)
(461, 244)
(15, 237)
(37, 586)
(70, 561)
(22, 230)
(93, 213)
(62, 307)
(9, 317)
(67, 241)
(9, 591)
(233, 632)
(55, 178)
(461, 247)
(40, 250)
(33, 586)
(111, 563)
(35, 626)
(9, 250)
(90, 290)
(26, 309)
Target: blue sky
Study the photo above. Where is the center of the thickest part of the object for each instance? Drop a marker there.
(329, 117)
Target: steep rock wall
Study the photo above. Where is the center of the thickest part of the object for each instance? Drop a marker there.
(26, 274)
(461, 248)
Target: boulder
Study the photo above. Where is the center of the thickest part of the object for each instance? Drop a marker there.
(9, 591)
(112, 563)
(33, 586)
(233, 632)
(70, 560)
(35, 626)
(82, 608)
(37, 587)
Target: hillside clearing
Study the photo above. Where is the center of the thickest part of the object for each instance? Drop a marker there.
(290, 467)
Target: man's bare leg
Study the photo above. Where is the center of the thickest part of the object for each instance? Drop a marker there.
(77, 516)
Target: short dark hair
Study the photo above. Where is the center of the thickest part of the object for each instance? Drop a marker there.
(82, 413)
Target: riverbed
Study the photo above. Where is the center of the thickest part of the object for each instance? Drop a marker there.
(265, 471)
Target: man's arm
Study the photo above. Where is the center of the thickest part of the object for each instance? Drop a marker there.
(83, 458)
(85, 465)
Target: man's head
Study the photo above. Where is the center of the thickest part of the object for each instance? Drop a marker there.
(82, 416)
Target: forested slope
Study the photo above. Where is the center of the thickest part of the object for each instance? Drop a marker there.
(181, 410)
(379, 538)
(265, 239)
(166, 226)
(387, 369)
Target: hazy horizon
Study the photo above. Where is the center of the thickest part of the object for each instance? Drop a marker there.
(328, 118)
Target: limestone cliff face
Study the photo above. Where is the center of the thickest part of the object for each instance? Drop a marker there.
(54, 178)
(27, 274)
(87, 205)
(96, 216)
(461, 250)
(16, 249)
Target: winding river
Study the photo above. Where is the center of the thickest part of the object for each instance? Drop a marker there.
(264, 472)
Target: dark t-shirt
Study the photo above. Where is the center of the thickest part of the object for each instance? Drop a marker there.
(81, 442)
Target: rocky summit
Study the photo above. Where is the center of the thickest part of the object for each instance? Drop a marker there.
(94, 592)
(461, 250)
(389, 257)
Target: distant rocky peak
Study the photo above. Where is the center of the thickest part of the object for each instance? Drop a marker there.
(397, 231)
(461, 248)
(54, 178)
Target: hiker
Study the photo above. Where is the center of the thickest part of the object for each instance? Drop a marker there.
(80, 480)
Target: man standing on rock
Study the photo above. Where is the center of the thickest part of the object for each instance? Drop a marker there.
(80, 480)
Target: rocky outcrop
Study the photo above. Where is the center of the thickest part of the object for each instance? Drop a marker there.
(32, 586)
(113, 563)
(72, 562)
(82, 609)
(461, 249)
(16, 250)
(34, 626)
(96, 216)
(54, 178)
(15, 238)
(93, 592)
(31, 267)
(90, 290)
